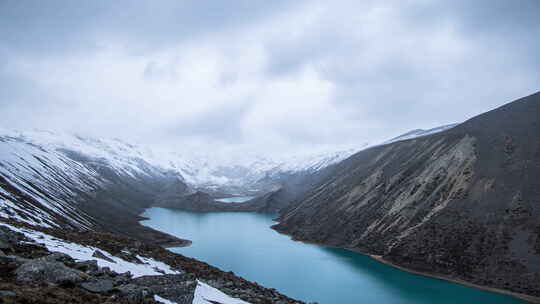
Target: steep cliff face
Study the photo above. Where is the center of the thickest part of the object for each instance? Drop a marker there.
(464, 203)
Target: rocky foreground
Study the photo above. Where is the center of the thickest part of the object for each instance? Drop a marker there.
(40, 265)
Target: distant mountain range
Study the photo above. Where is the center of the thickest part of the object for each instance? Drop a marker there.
(54, 179)
(197, 171)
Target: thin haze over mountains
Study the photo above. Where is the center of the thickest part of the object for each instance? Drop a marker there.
(264, 77)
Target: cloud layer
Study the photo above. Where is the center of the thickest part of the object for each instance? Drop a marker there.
(263, 76)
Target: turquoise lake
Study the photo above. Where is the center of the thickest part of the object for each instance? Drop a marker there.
(245, 244)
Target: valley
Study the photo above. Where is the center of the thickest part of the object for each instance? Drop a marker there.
(456, 202)
(269, 152)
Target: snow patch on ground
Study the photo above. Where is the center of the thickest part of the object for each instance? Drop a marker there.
(205, 293)
(84, 253)
(162, 300)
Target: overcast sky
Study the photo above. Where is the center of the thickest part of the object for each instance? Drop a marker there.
(274, 76)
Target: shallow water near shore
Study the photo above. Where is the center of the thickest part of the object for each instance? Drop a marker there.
(245, 244)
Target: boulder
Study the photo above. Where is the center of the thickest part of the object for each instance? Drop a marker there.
(11, 259)
(105, 272)
(58, 257)
(179, 288)
(87, 266)
(98, 286)
(134, 293)
(54, 272)
(123, 278)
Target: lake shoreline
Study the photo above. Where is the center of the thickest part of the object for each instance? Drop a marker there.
(171, 240)
(522, 297)
(378, 258)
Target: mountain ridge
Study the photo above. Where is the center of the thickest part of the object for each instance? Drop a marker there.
(461, 203)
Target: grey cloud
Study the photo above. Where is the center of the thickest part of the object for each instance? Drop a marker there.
(59, 26)
(206, 71)
(403, 84)
(222, 124)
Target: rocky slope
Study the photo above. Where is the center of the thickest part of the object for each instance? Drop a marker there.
(463, 203)
(43, 265)
(291, 183)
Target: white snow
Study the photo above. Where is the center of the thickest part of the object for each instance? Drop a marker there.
(420, 133)
(162, 300)
(204, 292)
(18, 148)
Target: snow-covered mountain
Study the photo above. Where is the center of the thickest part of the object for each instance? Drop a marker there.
(44, 176)
(196, 170)
(52, 171)
(21, 152)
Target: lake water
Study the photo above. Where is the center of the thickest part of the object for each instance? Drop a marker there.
(236, 199)
(244, 243)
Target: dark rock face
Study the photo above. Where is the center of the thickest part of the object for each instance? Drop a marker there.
(87, 266)
(8, 238)
(464, 203)
(291, 187)
(10, 259)
(271, 202)
(57, 257)
(134, 293)
(98, 286)
(178, 288)
(56, 272)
